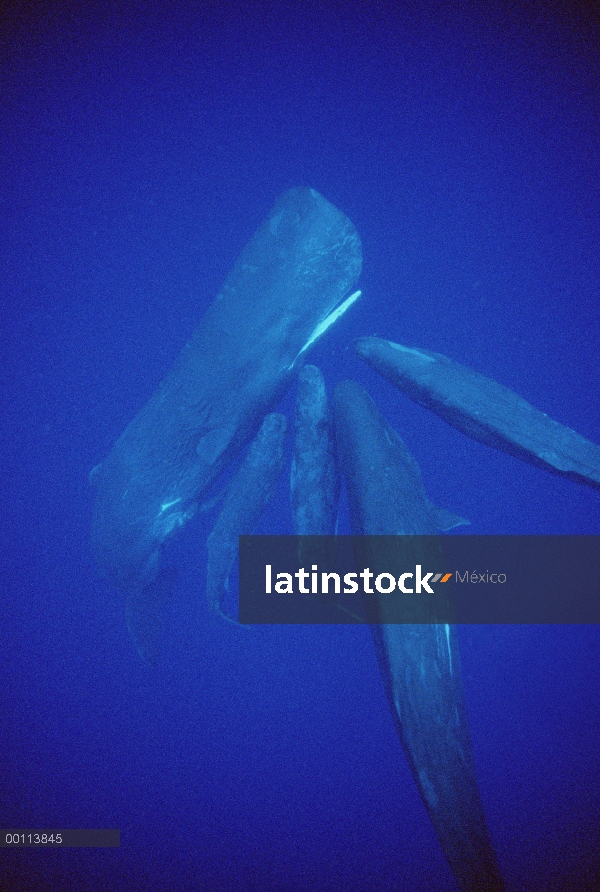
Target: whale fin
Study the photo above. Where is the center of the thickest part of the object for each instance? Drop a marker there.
(445, 520)
(144, 611)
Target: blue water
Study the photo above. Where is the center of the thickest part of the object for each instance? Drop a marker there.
(141, 145)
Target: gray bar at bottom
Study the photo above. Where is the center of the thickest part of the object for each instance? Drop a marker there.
(59, 839)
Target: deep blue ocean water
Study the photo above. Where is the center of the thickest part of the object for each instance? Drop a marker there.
(141, 145)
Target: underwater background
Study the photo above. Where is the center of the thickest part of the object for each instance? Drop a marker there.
(141, 146)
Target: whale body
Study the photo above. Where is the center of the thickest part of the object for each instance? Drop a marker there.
(419, 662)
(484, 409)
(289, 283)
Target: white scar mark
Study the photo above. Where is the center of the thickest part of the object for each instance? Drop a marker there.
(168, 521)
(166, 505)
(447, 630)
(328, 321)
(413, 352)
